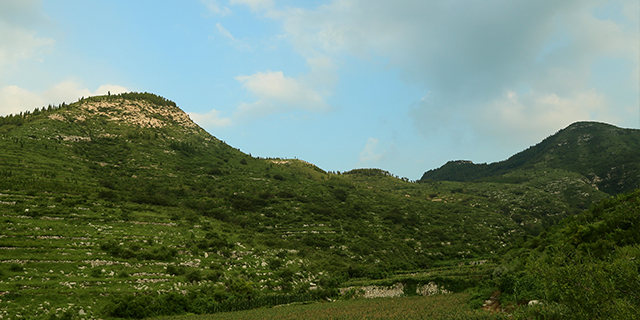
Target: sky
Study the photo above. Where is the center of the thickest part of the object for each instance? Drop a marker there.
(404, 86)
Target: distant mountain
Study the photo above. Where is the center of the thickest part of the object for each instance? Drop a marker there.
(606, 155)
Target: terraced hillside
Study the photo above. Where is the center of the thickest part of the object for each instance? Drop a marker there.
(120, 201)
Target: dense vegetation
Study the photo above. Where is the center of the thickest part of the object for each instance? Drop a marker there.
(433, 308)
(604, 154)
(120, 206)
(587, 267)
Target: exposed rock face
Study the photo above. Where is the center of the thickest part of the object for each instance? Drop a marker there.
(56, 116)
(397, 290)
(430, 289)
(132, 112)
(493, 303)
(74, 138)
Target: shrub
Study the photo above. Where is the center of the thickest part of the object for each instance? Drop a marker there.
(175, 270)
(15, 267)
(130, 307)
(286, 194)
(95, 273)
(107, 195)
(193, 275)
(213, 275)
(591, 288)
(214, 172)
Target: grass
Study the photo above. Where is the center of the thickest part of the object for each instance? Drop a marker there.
(433, 307)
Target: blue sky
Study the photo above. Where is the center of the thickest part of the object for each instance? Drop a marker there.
(399, 85)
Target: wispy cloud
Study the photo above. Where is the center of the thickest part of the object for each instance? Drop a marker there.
(210, 119)
(14, 99)
(19, 40)
(215, 8)
(370, 154)
(255, 5)
(277, 93)
(235, 42)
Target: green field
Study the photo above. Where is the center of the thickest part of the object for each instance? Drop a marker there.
(434, 307)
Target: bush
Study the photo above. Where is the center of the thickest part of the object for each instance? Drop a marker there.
(15, 267)
(286, 194)
(95, 273)
(175, 270)
(109, 195)
(193, 276)
(210, 299)
(213, 275)
(592, 288)
(131, 307)
(136, 251)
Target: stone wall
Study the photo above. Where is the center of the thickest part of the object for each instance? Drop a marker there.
(394, 291)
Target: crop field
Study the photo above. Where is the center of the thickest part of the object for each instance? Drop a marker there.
(451, 306)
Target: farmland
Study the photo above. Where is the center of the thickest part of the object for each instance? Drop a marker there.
(435, 307)
(121, 207)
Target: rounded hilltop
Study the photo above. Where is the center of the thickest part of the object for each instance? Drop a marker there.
(144, 110)
(126, 115)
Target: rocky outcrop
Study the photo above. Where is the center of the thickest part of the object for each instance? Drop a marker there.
(394, 291)
(133, 112)
(430, 289)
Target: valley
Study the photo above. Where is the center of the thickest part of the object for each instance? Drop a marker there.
(121, 206)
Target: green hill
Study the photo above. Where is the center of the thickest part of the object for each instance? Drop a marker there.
(584, 268)
(124, 197)
(606, 155)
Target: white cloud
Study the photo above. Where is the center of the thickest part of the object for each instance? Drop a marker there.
(14, 99)
(369, 154)
(210, 119)
(322, 73)
(276, 93)
(531, 116)
(110, 88)
(20, 44)
(235, 42)
(215, 8)
(19, 40)
(255, 5)
(468, 53)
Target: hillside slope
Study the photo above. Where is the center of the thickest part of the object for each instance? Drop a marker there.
(584, 268)
(123, 194)
(606, 155)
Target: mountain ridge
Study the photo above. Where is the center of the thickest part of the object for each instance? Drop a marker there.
(586, 148)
